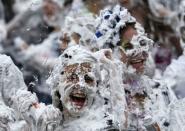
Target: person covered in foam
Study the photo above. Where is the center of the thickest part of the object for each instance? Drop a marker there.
(148, 100)
(87, 100)
(82, 98)
(19, 110)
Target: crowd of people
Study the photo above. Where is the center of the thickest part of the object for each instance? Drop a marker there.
(86, 65)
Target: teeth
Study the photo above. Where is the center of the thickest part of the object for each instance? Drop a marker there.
(79, 95)
(136, 61)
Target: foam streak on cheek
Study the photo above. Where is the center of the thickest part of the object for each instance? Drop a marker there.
(63, 89)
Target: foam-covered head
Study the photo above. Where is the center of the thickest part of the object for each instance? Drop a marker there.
(76, 78)
(118, 28)
(79, 30)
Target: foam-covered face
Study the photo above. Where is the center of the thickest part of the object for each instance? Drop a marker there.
(78, 87)
(136, 51)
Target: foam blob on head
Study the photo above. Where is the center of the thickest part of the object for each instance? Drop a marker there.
(109, 23)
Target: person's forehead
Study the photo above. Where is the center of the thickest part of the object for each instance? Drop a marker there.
(82, 67)
(128, 32)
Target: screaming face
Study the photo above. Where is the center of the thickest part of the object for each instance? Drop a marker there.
(78, 87)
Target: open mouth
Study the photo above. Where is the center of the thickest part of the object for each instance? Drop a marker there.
(138, 64)
(78, 99)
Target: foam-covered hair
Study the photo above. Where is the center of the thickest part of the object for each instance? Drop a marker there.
(109, 23)
(76, 54)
